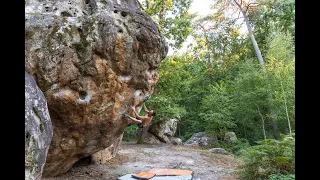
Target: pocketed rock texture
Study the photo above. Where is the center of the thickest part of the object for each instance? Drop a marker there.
(94, 60)
(38, 129)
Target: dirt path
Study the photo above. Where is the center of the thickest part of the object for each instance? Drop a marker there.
(133, 158)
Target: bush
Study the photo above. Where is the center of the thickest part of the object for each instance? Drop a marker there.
(281, 177)
(237, 147)
(130, 133)
(269, 159)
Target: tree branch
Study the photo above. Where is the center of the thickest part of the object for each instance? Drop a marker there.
(140, 5)
(237, 3)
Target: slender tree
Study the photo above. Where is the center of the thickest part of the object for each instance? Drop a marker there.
(244, 7)
(264, 131)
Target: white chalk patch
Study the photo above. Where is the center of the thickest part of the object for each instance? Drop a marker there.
(62, 92)
(57, 94)
(54, 86)
(146, 96)
(125, 78)
(137, 94)
(100, 5)
(148, 73)
(35, 7)
(78, 24)
(66, 92)
(85, 100)
(106, 106)
(89, 38)
(35, 102)
(26, 95)
(71, 19)
(109, 104)
(139, 109)
(60, 30)
(120, 97)
(36, 117)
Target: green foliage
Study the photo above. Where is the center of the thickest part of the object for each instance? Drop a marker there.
(218, 85)
(250, 96)
(177, 26)
(280, 66)
(179, 92)
(165, 107)
(172, 17)
(281, 177)
(269, 157)
(237, 148)
(272, 17)
(130, 133)
(216, 111)
(280, 47)
(168, 93)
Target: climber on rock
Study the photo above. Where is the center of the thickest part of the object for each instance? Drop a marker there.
(142, 121)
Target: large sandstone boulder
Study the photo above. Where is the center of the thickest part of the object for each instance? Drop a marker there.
(176, 141)
(38, 129)
(230, 137)
(94, 60)
(199, 139)
(151, 139)
(103, 156)
(164, 130)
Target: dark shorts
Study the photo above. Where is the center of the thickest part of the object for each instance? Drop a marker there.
(140, 125)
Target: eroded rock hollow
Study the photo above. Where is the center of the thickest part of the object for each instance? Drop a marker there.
(93, 60)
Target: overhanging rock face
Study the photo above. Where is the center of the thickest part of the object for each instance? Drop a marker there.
(94, 60)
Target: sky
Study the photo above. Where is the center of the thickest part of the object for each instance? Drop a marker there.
(202, 7)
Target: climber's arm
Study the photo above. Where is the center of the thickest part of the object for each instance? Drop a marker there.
(134, 119)
(145, 108)
(136, 114)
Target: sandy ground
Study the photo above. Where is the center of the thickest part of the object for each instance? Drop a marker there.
(134, 158)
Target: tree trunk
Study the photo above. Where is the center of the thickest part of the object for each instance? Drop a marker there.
(286, 107)
(141, 6)
(264, 131)
(276, 133)
(161, 14)
(253, 40)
